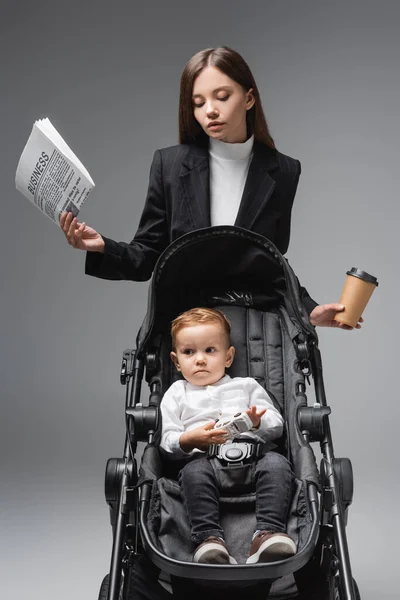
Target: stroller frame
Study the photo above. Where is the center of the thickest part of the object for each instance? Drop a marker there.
(129, 498)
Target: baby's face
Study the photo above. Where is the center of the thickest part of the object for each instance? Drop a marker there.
(202, 353)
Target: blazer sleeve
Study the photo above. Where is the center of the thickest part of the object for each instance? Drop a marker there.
(135, 261)
(283, 235)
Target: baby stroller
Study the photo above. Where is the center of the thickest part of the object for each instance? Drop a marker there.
(243, 275)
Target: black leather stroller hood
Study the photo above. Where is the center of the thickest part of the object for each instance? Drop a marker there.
(194, 269)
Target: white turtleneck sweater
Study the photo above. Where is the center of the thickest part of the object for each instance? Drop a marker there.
(229, 165)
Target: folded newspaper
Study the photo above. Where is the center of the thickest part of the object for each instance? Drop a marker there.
(50, 175)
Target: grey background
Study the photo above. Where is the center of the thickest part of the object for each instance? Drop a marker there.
(107, 75)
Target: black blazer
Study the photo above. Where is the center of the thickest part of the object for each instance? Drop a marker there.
(178, 201)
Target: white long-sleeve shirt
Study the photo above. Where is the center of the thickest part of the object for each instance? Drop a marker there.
(186, 406)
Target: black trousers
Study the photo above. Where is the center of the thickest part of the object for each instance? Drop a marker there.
(274, 487)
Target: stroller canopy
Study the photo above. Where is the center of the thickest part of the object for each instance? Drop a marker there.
(221, 265)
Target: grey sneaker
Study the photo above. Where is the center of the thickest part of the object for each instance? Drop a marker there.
(269, 546)
(213, 550)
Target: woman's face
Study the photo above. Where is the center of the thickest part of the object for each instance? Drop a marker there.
(220, 105)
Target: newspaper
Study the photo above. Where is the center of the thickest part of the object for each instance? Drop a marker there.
(50, 175)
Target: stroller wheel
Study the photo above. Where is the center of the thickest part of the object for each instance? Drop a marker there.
(103, 593)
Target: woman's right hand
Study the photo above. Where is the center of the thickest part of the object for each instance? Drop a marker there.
(79, 235)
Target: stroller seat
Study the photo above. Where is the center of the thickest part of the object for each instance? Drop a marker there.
(260, 350)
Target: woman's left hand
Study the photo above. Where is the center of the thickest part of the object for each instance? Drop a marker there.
(322, 316)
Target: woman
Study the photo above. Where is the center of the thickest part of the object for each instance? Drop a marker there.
(225, 171)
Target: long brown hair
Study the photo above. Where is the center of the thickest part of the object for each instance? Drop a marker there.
(234, 66)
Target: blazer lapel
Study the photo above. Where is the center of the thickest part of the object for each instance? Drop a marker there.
(258, 187)
(195, 185)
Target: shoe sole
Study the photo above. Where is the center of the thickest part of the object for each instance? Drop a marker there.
(214, 554)
(276, 548)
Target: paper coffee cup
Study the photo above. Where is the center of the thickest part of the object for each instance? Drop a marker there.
(357, 290)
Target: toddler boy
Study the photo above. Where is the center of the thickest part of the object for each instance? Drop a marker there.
(201, 351)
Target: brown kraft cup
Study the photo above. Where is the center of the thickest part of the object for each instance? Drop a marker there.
(357, 290)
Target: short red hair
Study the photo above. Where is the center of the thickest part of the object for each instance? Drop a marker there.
(200, 316)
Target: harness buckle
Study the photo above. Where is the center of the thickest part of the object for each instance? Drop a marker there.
(235, 452)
